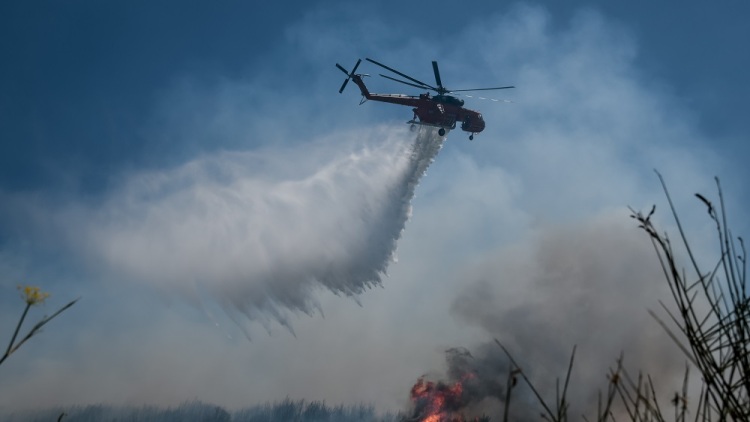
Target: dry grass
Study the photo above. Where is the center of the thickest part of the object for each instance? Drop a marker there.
(31, 296)
(710, 324)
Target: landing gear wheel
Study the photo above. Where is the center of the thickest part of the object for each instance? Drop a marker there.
(413, 128)
(441, 132)
(471, 137)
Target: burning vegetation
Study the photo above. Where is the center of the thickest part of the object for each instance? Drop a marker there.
(457, 399)
(437, 401)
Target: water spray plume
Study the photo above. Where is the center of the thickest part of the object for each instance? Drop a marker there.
(260, 235)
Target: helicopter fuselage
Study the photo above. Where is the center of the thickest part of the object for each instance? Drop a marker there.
(443, 111)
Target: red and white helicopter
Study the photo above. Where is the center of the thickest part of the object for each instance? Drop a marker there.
(441, 110)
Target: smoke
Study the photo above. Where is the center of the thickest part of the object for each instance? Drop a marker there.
(260, 232)
(587, 285)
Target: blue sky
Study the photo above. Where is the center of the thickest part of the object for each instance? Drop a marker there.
(140, 143)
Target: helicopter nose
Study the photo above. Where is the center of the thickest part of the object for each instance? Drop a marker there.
(480, 124)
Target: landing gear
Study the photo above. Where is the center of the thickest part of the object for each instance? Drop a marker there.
(471, 137)
(413, 128)
(441, 132)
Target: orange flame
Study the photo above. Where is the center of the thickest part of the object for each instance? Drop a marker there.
(437, 402)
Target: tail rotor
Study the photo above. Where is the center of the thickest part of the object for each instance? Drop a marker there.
(348, 74)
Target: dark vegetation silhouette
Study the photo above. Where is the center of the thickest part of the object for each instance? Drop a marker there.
(196, 411)
(712, 322)
(709, 321)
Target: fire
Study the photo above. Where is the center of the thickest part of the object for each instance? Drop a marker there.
(437, 401)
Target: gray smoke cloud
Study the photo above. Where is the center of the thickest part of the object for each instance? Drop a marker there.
(587, 285)
(260, 234)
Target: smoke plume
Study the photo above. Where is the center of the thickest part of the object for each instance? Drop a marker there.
(260, 232)
(588, 286)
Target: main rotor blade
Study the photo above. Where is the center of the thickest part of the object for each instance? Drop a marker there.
(404, 82)
(437, 74)
(342, 69)
(481, 89)
(484, 98)
(401, 74)
(346, 81)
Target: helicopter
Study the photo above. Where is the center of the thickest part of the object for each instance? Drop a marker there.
(441, 110)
